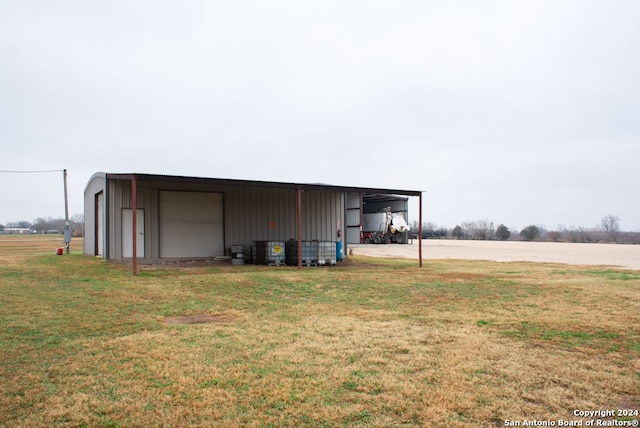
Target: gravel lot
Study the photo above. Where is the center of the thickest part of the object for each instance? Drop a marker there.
(622, 256)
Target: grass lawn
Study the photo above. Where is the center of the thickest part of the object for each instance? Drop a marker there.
(372, 342)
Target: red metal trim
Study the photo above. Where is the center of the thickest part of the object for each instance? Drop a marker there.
(299, 227)
(273, 184)
(420, 229)
(134, 208)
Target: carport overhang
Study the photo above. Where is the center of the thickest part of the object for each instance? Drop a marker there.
(377, 193)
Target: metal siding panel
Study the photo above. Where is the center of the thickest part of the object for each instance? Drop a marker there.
(275, 226)
(191, 224)
(267, 215)
(329, 223)
(311, 226)
(231, 215)
(353, 235)
(307, 216)
(353, 218)
(292, 215)
(151, 224)
(243, 223)
(270, 223)
(353, 200)
(242, 216)
(274, 223)
(321, 212)
(260, 229)
(282, 214)
(119, 197)
(341, 213)
(261, 232)
(318, 214)
(114, 205)
(338, 216)
(259, 220)
(314, 217)
(95, 186)
(100, 223)
(237, 216)
(324, 212)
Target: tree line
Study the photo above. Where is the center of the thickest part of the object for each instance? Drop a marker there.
(45, 225)
(607, 231)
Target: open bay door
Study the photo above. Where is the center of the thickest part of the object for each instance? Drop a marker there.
(191, 224)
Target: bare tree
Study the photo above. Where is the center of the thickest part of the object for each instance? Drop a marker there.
(484, 230)
(77, 224)
(610, 226)
(553, 236)
(478, 230)
(582, 234)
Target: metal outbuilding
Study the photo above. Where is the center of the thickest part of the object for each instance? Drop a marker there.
(178, 217)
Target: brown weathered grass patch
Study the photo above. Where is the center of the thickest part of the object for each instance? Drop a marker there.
(380, 343)
(197, 319)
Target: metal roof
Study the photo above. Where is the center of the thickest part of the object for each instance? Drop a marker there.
(272, 184)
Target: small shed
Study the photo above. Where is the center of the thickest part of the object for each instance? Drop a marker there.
(159, 217)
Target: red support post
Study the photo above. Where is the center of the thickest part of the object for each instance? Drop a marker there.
(134, 210)
(420, 228)
(299, 227)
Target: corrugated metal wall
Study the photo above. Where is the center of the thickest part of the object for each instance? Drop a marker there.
(353, 212)
(99, 224)
(270, 214)
(95, 186)
(321, 214)
(250, 213)
(259, 214)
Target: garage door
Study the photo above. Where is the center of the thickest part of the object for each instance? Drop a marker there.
(191, 224)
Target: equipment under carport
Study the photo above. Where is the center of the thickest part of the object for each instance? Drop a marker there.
(383, 227)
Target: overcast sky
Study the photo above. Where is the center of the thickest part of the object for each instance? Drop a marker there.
(519, 112)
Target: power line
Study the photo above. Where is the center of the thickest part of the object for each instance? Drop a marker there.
(32, 172)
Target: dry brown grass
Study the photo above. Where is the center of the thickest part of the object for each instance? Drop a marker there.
(377, 343)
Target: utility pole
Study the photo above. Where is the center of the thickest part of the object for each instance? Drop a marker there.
(67, 226)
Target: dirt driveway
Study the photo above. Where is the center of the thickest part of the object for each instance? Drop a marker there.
(622, 256)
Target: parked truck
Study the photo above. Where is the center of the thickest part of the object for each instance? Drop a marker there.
(383, 227)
